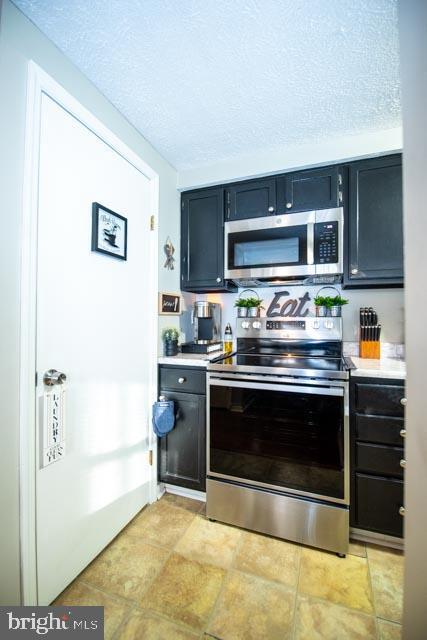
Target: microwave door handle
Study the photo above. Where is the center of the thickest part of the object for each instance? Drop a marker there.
(310, 243)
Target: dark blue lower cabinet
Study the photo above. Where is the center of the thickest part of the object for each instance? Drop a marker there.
(182, 453)
(376, 455)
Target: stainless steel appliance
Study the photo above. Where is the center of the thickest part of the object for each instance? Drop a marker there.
(307, 247)
(278, 432)
(206, 321)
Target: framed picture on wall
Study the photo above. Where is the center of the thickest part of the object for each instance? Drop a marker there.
(109, 232)
(169, 304)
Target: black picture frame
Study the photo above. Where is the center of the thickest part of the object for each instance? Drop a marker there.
(109, 242)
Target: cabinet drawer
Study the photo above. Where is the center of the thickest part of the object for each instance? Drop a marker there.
(183, 379)
(379, 399)
(377, 458)
(376, 504)
(379, 429)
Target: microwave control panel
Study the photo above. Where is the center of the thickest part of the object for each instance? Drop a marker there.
(326, 242)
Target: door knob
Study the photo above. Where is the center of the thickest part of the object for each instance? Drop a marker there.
(52, 377)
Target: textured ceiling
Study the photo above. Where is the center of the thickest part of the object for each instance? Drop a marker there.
(205, 80)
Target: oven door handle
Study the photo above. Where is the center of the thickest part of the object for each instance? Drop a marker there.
(292, 388)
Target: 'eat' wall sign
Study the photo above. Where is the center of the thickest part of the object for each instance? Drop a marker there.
(293, 307)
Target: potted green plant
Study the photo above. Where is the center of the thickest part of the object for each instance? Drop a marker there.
(170, 341)
(329, 305)
(323, 305)
(242, 309)
(254, 307)
(337, 304)
(248, 306)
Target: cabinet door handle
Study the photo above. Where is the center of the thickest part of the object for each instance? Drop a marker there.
(354, 272)
(270, 209)
(403, 463)
(403, 402)
(402, 433)
(289, 205)
(181, 380)
(402, 511)
(218, 279)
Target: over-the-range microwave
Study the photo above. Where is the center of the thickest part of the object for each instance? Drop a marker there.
(287, 248)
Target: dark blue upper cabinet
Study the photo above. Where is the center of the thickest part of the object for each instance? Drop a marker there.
(309, 190)
(374, 229)
(251, 199)
(202, 241)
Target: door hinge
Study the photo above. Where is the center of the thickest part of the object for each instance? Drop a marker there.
(150, 457)
(152, 219)
(36, 379)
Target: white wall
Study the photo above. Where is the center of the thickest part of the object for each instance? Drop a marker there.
(21, 41)
(323, 152)
(413, 43)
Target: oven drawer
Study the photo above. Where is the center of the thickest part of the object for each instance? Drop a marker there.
(182, 379)
(379, 399)
(375, 458)
(379, 429)
(376, 505)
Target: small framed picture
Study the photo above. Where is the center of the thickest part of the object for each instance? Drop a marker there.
(109, 232)
(169, 304)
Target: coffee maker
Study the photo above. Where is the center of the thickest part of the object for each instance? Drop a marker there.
(206, 321)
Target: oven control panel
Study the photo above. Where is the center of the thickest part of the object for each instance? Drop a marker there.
(326, 242)
(301, 328)
(285, 324)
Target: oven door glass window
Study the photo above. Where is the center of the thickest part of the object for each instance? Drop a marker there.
(284, 246)
(281, 439)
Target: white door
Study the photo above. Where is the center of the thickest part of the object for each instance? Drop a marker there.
(91, 318)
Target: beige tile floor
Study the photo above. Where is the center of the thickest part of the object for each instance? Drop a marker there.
(172, 574)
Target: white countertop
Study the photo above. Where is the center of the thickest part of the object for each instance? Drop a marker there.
(190, 359)
(383, 368)
(365, 367)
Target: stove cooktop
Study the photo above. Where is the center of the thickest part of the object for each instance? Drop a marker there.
(283, 364)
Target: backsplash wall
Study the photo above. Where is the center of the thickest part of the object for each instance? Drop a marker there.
(387, 302)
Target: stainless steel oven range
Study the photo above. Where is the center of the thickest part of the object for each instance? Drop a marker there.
(278, 432)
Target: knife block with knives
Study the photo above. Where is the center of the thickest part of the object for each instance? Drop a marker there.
(370, 332)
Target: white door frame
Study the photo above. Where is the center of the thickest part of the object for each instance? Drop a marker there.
(39, 83)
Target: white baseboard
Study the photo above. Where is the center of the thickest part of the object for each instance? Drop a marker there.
(186, 493)
(377, 538)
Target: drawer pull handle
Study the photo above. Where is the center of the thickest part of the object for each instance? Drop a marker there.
(403, 463)
(403, 433)
(402, 511)
(181, 380)
(403, 402)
